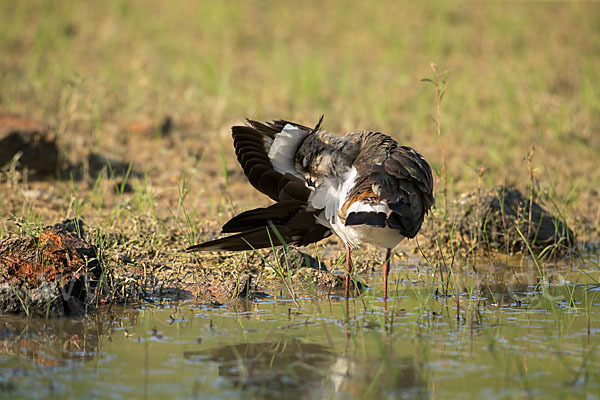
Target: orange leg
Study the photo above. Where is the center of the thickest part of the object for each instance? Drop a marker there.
(348, 270)
(386, 272)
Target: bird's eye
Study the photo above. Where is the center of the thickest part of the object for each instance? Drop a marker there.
(305, 162)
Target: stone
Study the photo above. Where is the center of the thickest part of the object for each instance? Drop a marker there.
(492, 219)
(294, 259)
(53, 274)
(227, 290)
(31, 139)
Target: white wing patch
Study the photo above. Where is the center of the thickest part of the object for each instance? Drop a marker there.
(332, 193)
(359, 206)
(326, 196)
(284, 147)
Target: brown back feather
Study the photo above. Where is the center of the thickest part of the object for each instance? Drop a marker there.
(400, 175)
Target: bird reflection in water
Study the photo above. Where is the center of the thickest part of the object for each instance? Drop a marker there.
(290, 368)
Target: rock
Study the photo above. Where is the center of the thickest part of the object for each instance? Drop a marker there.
(10, 299)
(328, 280)
(294, 259)
(237, 288)
(151, 127)
(75, 226)
(95, 164)
(43, 301)
(98, 163)
(308, 269)
(493, 218)
(53, 274)
(37, 148)
(227, 290)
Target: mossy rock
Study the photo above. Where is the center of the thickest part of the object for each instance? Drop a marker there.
(500, 219)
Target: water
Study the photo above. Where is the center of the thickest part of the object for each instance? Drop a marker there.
(506, 343)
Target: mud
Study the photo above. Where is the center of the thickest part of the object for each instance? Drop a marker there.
(27, 144)
(500, 219)
(140, 258)
(55, 273)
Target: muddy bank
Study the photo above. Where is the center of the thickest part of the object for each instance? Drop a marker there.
(54, 273)
(27, 144)
(499, 219)
(58, 272)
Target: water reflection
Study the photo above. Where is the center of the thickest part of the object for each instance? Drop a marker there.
(503, 335)
(379, 378)
(291, 368)
(287, 366)
(52, 342)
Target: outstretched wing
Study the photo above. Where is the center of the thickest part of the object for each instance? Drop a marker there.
(287, 222)
(266, 153)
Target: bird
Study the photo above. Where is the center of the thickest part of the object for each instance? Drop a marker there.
(363, 186)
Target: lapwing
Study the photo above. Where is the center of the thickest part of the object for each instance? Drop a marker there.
(364, 186)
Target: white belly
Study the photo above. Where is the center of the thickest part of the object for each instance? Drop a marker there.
(331, 196)
(357, 235)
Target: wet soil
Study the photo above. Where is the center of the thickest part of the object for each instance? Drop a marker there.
(158, 185)
(53, 274)
(490, 338)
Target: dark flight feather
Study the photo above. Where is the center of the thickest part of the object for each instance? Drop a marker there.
(385, 171)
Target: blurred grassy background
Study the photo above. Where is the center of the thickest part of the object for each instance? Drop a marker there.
(521, 74)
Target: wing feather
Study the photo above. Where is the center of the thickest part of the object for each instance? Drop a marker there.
(254, 142)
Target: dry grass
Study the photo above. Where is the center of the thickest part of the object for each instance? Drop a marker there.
(521, 74)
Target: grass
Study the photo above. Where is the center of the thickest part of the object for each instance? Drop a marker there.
(439, 81)
(209, 66)
(523, 78)
(193, 65)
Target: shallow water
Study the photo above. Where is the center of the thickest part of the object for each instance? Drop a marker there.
(519, 341)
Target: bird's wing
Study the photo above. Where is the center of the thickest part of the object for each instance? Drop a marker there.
(266, 153)
(286, 222)
(393, 187)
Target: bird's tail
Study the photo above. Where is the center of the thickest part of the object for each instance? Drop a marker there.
(285, 223)
(258, 238)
